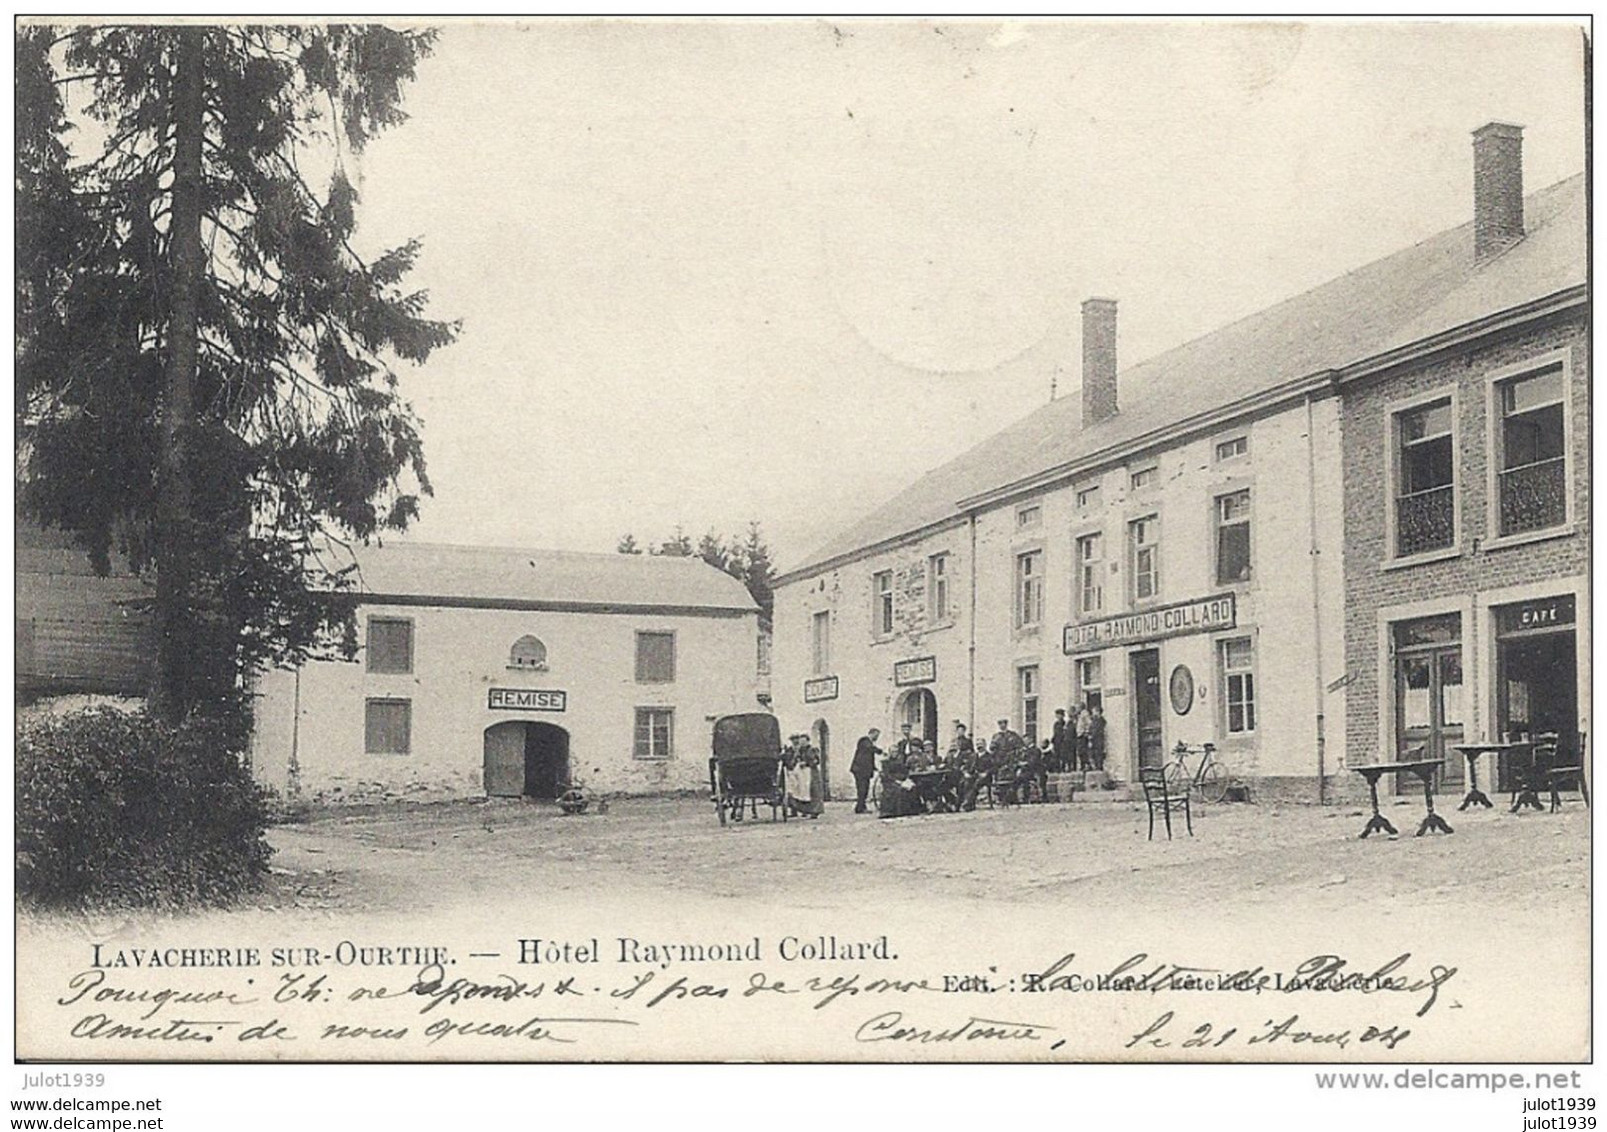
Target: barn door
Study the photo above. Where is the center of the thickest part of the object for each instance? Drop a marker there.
(505, 760)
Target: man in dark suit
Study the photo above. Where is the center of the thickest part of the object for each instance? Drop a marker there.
(863, 768)
(1063, 743)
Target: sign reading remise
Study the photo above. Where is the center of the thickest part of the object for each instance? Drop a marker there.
(1201, 615)
(526, 699)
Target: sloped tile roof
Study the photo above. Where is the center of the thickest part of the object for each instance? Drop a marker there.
(420, 570)
(1418, 292)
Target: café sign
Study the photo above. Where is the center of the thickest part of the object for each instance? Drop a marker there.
(820, 688)
(1202, 615)
(921, 670)
(1552, 612)
(526, 699)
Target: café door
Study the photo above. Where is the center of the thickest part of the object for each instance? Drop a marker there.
(1429, 712)
(1146, 670)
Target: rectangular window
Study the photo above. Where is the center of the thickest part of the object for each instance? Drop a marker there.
(1238, 684)
(1027, 701)
(1029, 516)
(1090, 574)
(1144, 545)
(1140, 478)
(1425, 480)
(655, 733)
(1532, 488)
(1090, 682)
(1088, 497)
(388, 727)
(390, 645)
(1233, 538)
(882, 610)
(820, 642)
(937, 588)
(655, 658)
(1029, 589)
(1232, 448)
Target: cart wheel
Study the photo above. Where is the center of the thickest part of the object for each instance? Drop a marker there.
(719, 808)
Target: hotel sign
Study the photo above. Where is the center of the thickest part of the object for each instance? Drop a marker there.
(526, 699)
(820, 688)
(1202, 615)
(921, 670)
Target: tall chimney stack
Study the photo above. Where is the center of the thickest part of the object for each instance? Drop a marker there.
(1497, 188)
(1098, 360)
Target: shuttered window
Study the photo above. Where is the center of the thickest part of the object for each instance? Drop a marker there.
(388, 727)
(390, 645)
(655, 658)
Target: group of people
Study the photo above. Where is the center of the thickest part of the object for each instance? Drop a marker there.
(916, 778)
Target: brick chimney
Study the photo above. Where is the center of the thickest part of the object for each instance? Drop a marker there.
(1098, 360)
(1497, 188)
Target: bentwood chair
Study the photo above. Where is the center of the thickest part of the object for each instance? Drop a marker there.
(1159, 796)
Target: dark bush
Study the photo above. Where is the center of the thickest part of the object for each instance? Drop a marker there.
(119, 809)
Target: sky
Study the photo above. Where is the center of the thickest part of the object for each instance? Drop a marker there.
(775, 270)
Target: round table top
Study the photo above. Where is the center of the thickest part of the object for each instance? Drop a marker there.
(1494, 745)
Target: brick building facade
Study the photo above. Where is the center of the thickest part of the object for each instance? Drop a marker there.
(1467, 496)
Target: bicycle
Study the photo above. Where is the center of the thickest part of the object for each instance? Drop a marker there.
(1208, 782)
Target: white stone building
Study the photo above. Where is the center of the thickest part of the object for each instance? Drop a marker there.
(504, 672)
(1173, 554)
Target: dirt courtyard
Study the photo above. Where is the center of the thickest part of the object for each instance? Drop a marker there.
(1241, 857)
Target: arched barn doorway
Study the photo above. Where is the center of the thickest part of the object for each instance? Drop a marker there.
(526, 759)
(820, 735)
(918, 708)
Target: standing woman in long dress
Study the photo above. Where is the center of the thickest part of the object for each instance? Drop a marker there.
(809, 794)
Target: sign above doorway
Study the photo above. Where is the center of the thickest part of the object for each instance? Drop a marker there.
(921, 670)
(526, 699)
(1202, 615)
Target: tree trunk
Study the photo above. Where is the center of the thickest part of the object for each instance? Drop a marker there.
(174, 692)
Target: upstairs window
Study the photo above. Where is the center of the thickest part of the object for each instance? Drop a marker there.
(1029, 516)
(882, 604)
(820, 642)
(1141, 478)
(1233, 538)
(390, 645)
(1532, 465)
(1425, 468)
(1029, 589)
(528, 652)
(1144, 557)
(1090, 574)
(937, 588)
(1232, 448)
(655, 658)
(1088, 497)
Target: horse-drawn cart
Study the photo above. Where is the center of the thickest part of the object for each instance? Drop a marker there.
(745, 769)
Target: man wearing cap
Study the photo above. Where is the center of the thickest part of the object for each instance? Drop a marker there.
(1063, 743)
(1007, 748)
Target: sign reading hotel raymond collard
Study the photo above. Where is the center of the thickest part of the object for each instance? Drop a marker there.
(820, 688)
(1202, 615)
(526, 699)
(921, 670)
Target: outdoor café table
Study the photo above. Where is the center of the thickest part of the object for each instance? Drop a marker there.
(1472, 751)
(1529, 776)
(936, 789)
(1424, 769)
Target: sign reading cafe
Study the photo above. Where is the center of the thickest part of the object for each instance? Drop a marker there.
(526, 699)
(1202, 615)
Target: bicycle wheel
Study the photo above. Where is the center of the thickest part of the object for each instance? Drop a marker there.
(1175, 775)
(1212, 784)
